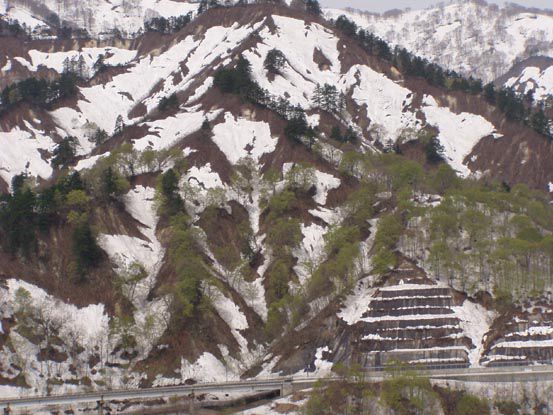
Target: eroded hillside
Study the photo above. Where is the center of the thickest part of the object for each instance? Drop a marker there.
(243, 196)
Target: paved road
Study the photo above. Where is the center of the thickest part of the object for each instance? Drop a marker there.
(283, 384)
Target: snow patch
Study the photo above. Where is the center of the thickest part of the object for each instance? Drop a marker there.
(387, 103)
(322, 367)
(311, 251)
(206, 369)
(204, 177)
(55, 60)
(91, 322)
(21, 152)
(239, 138)
(166, 132)
(459, 133)
(475, 321)
(7, 67)
(124, 250)
(357, 303)
(324, 183)
(89, 162)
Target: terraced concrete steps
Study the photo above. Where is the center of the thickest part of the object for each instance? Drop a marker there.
(527, 338)
(412, 321)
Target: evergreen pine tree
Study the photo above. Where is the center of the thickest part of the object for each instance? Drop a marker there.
(274, 61)
(336, 134)
(85, 248)
(313, 6)
(100, 64)
(67, 65)
(82, 68)
(539, 122)
(100, 137)
(119, 125)
(341, 102)
(489, 93)
(318, 96)
(350, 136)
(64, 153)
(203, 6)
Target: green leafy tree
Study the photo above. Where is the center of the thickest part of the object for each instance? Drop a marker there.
(186, 259)
(301, 178)
(407, 392)
(406, 174)
(277, 319)
(445, 178)
(277, 280)
(472, 405)
(113, 184)
(387, 236)
(284, 234)
(280, 204)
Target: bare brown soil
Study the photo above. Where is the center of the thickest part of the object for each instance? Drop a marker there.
(226, 233)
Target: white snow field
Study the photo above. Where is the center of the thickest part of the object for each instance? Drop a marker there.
(21, 153)
(459, 133)
(239, 138)
(466, 36)
(387, 103)
(55, 60)
(100, 17)
(536, 79)
(151, 77)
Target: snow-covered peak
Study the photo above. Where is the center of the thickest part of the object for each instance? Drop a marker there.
(96, 16)
(471, 37)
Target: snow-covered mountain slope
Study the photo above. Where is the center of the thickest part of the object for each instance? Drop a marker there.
(148, 78)
(533, 78)
(472, 37)
(240, 175)
(96, 16)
